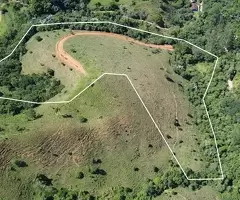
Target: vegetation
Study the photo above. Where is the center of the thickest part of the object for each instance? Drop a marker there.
(219, 19)
(223, 105)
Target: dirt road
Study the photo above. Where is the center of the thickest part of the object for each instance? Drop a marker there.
(68, 60)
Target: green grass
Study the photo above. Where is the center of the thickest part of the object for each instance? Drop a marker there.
(140, 5)
(203, 68)
(42, 54)
(7, 20)
(185, 193)
(147, 71)
(118, 130)
(236, 81)
(3, 24)
(107, 2)
(100, 54)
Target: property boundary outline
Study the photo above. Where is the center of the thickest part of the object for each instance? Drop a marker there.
(144, 31)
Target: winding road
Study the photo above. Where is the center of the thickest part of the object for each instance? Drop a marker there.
(68, 60)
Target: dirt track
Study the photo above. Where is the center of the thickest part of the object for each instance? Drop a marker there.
(67, 59)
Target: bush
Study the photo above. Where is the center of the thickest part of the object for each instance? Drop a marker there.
(97, 171)
(97, 161)
(31, 114)
(80, 175)
(73, 50)
(38, 38)
(50, 72)
(44, 179)
(20, 163)
(67, 116)
(83, 119)
(156, 169)
(100, 172)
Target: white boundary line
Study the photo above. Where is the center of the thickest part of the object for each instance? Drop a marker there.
(144, 31)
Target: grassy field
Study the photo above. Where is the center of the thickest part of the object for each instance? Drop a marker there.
(3, 25)
(43, 54)
(236, 81)
(6, 19)
(146, 68)
(118, 132)
(203, 68)
(118, 129)
(148, 73)
(148, 6)
(204, 193)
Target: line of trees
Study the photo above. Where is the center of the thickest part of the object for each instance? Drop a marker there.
(216, 30)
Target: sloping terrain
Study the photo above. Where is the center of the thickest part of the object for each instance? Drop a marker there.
(105, 134)
(117, 131)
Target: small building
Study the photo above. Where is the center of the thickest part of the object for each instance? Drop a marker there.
(194, 7)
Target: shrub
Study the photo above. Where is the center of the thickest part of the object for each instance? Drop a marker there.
(97, 171)
(156, 169)
(20, 128)
(50, 72)
(176, 123)
(20, 163)
(73, 50)
(156, 51)
(80, 175)
(31, 114)
(44, 179)
(100, 172)
(38, 38)
(136, 169)
(83, 119)
(67, 116)
(97, 161)
(169, 79)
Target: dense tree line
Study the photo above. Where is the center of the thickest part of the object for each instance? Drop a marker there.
(216, 30)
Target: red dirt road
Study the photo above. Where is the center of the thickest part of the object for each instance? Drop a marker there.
(68, 60)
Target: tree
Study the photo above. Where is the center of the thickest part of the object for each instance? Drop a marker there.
(43, 179)
(20, 163)
(51, 72)
(80, 175)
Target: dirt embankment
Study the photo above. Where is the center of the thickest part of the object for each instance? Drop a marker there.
(68, 60)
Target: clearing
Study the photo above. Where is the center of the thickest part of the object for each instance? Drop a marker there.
(147, 67)
(144, 7)
(106, 122)
(64, 57)
(3, 25)
(116, 130)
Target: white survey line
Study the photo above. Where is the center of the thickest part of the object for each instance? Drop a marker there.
(144, 31)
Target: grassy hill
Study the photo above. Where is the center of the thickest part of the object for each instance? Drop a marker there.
(107, 122)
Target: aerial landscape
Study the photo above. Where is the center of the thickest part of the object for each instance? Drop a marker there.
(119, 99)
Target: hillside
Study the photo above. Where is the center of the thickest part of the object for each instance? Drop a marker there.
(125, 156)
